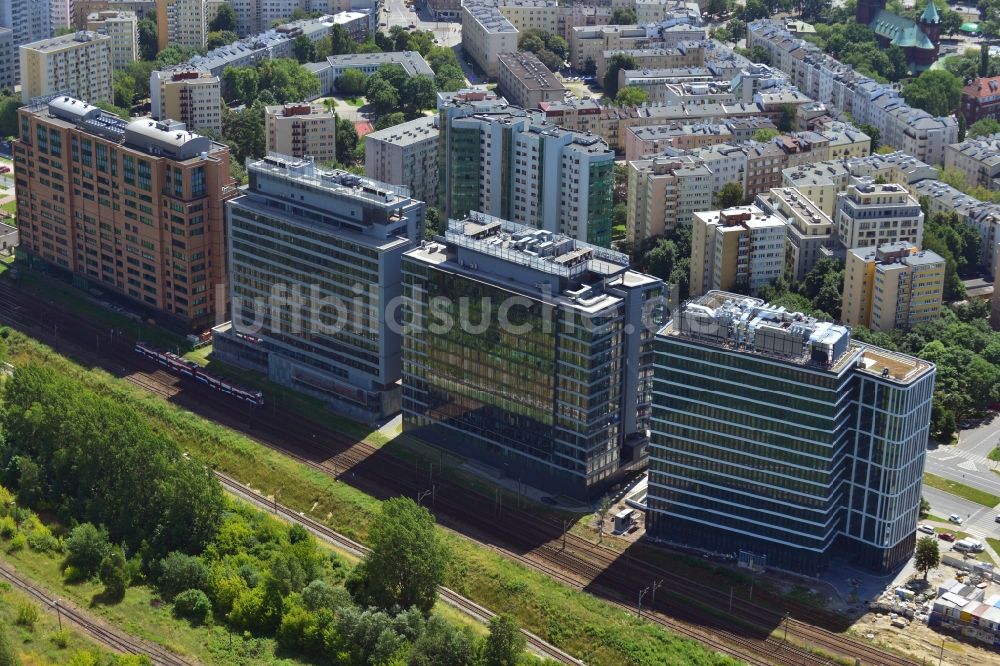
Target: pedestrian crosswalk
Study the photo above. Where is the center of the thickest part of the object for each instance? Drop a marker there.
(970, 462)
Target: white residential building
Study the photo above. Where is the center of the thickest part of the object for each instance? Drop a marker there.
(122, 28)
(182, 22)
(978, 159)
(664, 192)
(407, 155)
(190, 96)
(870, 214)
(8, 60)
(737, 249)
(302, 130)
(486, 33)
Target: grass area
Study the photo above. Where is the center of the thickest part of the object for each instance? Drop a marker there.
(593, 630)
(962, 490)
(995, 454)
(932, 517)
(78, 301)
(355, 101)
(994, 543)
(42, 642)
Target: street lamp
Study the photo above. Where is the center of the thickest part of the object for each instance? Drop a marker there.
(642, 593)
(421, 496)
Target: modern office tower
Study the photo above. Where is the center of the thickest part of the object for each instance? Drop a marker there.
(741, 248)
(526, 82)
(302, 130)
(776, 435)
(407, 155)
(191, 96)
(8, 60)
(529, 351)
(664, 192)
(122, 28)
(871, 214)
(314, 260)
(810, 230)
(182, 22)
(895, 285)
(514, 165)
(135, 208)
(77, 64)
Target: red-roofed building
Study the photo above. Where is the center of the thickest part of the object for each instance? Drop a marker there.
(981, 99)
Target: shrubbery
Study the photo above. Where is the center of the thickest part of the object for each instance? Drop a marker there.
(194, 606)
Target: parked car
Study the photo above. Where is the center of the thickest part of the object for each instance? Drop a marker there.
(4, 169)
(955, 518)
(926, 529)
(997, 519)
(946, 536)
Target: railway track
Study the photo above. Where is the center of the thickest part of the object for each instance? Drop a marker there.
(451, 597)
(594, 568)
(111, 638)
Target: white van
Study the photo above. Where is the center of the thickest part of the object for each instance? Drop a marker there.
(968, 545)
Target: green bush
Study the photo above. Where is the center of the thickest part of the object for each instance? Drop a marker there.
(60, 639)
(193, 606)
(26, 615)
(179, 572)
(86, 547)
(8, 528)
(17, 543)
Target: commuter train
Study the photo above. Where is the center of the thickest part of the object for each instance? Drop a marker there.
(187, 368)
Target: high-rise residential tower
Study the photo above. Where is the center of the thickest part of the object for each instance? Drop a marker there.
(78, 64)
(777, 435)
(314, 260)
(512, 164)
(134, 208)
(529, 351)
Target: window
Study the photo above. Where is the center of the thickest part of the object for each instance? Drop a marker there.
(145, 176)
(128, 171)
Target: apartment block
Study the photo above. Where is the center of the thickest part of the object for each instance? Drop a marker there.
(131, 207)
(995, 299)
(406, 155)
(8, 60)
(587, 43)
(737, 249)
(653, 139)
(486, 33)
(531, 14)
(810, 230)
(191, 96)
(654, 81)
(890, 286)
(78, 64)
(29, 21)
(978, 159)
(664, 192)
(314, 259)
(765, 162)
(301, 130)
(874, 214)
(552, 386)
(81, 9)
(122, 28)
(334, 67)
(445, 10)
(511, 163)
(683, 55)
(982, 215)
(182, 22)
(526, 82)
(981, 99)
(777, 438)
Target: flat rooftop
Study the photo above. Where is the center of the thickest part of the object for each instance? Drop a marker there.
(530, 72)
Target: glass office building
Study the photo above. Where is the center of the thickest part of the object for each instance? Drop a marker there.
(529, 351)
(315, 283)
(774, 433)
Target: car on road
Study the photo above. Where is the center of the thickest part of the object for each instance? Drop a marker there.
(997, 519)
(926, 529)
(946, 536)
(4, 169)
(955, 518)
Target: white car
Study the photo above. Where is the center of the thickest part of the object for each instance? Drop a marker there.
(926, 529)
(955, 518)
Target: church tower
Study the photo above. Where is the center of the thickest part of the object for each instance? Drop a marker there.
(930, 23)
(867, 9)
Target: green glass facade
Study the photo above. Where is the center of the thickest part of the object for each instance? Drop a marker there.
(599, 204)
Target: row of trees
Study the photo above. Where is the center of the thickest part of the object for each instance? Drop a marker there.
(551, 49)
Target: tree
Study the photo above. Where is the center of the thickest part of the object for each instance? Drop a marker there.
(737, 29)
(787, 119)
(304, 49)
(963, 127)
(406, 562)
(753, 10)
(418, 93)
(225, 19)
(927, 556)
(984, 61)
(389, 120)
(86, 547)
(179, 572)
(352, 82)
(623, 16)
(589, 66)
(505, 642)
(8, 655)
(813, 9)
(347, 141)
(147, 35)
(729, 195)
(245, 131)
(443, 644)
(764, 135)
(214, 40)
(382, 97)
(759, 55)
(984, 127)
(632, 96)
(240, 84)
(602, 514)
(717, 7)
(925, 507)
(124, 88)
(193, 606)
(341, 42)
(936, 91)
(113, 573)
(722, 34)
(617, 62)
(287, 80)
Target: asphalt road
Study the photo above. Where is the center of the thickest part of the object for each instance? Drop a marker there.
(967, 461)
(395, 12)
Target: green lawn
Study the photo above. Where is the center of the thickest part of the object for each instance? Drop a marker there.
(42, 642)
(355, 101)
(962, 490)
(995, 454)
(578, 622)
